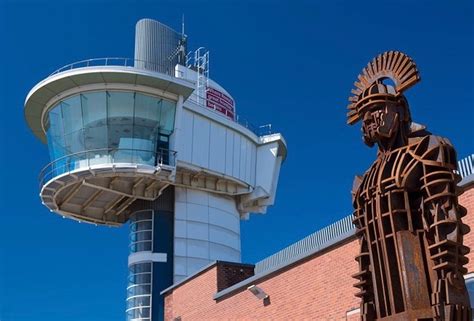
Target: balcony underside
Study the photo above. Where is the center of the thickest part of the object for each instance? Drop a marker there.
(102, 194)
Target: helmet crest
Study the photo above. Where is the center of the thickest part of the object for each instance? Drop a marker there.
(369, 88)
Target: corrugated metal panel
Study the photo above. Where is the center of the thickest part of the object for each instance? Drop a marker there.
(332, 233)
(466, 166)
(316, 241)
(156, 46)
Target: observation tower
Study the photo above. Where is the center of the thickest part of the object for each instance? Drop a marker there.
(155, 141)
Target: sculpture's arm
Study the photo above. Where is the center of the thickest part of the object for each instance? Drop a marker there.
(364, 277)
(446, 230)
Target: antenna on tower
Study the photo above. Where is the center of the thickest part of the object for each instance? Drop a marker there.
(181, 50)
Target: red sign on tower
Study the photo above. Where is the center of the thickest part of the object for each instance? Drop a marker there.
(220, 102)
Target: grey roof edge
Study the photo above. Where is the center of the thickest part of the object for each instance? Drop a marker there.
(199, 272)
(466, 181)
(465, 169)
(308, 244)
(238, 286)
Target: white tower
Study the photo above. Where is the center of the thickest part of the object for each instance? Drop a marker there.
(155, 141)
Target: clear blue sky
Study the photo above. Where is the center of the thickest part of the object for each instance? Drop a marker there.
(289, 63)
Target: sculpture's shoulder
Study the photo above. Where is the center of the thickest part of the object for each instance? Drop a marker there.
(355, 186)
(360, 182)
(433, 150)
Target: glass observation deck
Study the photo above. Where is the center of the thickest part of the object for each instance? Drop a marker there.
(103, 127)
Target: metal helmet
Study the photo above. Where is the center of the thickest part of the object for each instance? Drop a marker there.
(371, 90)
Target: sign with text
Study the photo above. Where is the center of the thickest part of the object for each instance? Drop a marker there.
(220, 102)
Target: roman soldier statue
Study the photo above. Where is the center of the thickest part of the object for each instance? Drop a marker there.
(407, 214)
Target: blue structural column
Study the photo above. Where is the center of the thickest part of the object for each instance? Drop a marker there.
(150, 261)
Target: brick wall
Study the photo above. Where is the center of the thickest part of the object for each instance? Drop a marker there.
(186, 300)
(321, 285)
(318, 288)
(466, 199)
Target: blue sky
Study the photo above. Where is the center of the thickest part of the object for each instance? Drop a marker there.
(289, 63)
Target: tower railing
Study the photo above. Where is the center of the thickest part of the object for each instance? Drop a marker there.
(257, 130)
(93, 157)
(118, 62)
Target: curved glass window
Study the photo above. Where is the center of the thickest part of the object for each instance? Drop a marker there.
(141, 232)
(109, 126)
(139, 292)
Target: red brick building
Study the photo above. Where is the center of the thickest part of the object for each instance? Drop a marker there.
(310, 279)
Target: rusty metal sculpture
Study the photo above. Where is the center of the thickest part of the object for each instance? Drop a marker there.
(406, 210)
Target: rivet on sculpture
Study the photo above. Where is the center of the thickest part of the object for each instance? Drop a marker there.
(407, 214)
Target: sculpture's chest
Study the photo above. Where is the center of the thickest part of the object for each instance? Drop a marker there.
(391, 171)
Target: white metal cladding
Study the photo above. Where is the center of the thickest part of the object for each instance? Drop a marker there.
(207, 228)
(209, 144)
(156, 46)
(332, 233)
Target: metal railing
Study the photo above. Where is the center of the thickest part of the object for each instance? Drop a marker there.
(86, 159)
(257, 130)
(163, 68)
(119, 62)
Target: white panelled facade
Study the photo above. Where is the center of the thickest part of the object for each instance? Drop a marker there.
(211, 145)
(217, 145)
(267, 165)
(229, 149)
(201, 137)
(207, 228)
(207, 215)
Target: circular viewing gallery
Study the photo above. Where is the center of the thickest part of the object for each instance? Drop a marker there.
(104, 127)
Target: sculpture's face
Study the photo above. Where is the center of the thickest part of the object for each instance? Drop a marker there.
(380, 122)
